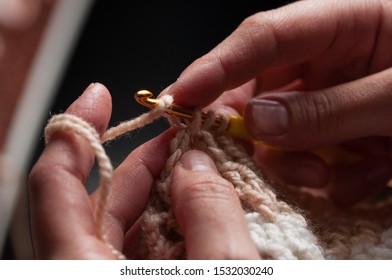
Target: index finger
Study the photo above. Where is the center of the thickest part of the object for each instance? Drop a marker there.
(289, 35)
(56, 190)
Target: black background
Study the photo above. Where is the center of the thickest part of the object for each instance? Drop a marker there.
(133, 45)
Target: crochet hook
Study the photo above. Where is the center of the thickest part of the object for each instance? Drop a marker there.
(236, 128)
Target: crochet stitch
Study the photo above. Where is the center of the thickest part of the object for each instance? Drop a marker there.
(314, 229)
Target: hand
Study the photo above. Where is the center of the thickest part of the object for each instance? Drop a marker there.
(309, 74)
(62, 212)
(19, 14)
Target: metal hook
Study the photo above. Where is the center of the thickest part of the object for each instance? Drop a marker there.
(236, 128)
(234, 125)
(147, 99)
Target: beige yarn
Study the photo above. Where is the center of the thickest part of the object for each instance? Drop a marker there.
(314, 229)
(68, 122)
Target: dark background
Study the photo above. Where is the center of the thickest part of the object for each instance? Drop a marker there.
(133, 45)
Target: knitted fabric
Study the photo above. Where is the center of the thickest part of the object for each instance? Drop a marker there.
(313, 229)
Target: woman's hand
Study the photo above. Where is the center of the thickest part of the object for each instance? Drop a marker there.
(207, 208)
(307, 75)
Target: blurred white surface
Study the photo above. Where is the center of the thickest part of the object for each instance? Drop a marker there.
(49, 63)
(9, 183)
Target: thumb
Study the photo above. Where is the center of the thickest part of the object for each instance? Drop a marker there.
(305, 120)
(208, 211)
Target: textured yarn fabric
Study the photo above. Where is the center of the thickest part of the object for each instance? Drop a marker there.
(284, 222)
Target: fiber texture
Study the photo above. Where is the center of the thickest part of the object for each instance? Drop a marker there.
(284, 222)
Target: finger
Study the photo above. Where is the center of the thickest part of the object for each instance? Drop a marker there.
(60, 208)
(133, 241)
(19, 15)
(370, 146)
(131, 186)
(306, 120)
(277, 38)
(294, 168)
(352, 183)
(233, 102)
(208, 211)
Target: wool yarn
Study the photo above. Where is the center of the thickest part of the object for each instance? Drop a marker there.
(284, 222)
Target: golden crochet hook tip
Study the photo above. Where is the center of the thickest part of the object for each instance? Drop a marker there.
(236, 128)
(146, 98)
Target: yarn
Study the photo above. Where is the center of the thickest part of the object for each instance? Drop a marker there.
(68, 122)
(313, 229)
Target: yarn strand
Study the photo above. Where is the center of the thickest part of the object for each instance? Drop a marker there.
(72, 123)
(314, 229)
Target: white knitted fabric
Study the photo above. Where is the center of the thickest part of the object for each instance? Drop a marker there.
(315, 229)
(288, 238)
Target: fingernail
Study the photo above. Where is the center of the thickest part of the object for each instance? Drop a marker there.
(195, 160)
(166, 90)
(93, 88)
(91, 96)
(90, 86)
(270, 117)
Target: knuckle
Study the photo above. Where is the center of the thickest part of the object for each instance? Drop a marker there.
(53, 173)
(256, 31)
(250, 22)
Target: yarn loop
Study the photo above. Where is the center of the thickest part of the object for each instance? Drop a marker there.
(314, 229)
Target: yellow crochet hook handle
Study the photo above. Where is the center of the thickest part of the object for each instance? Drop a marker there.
(331, 154)
(236, 128)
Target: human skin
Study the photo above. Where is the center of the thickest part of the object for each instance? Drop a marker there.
(62, 212)
(307, 75)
